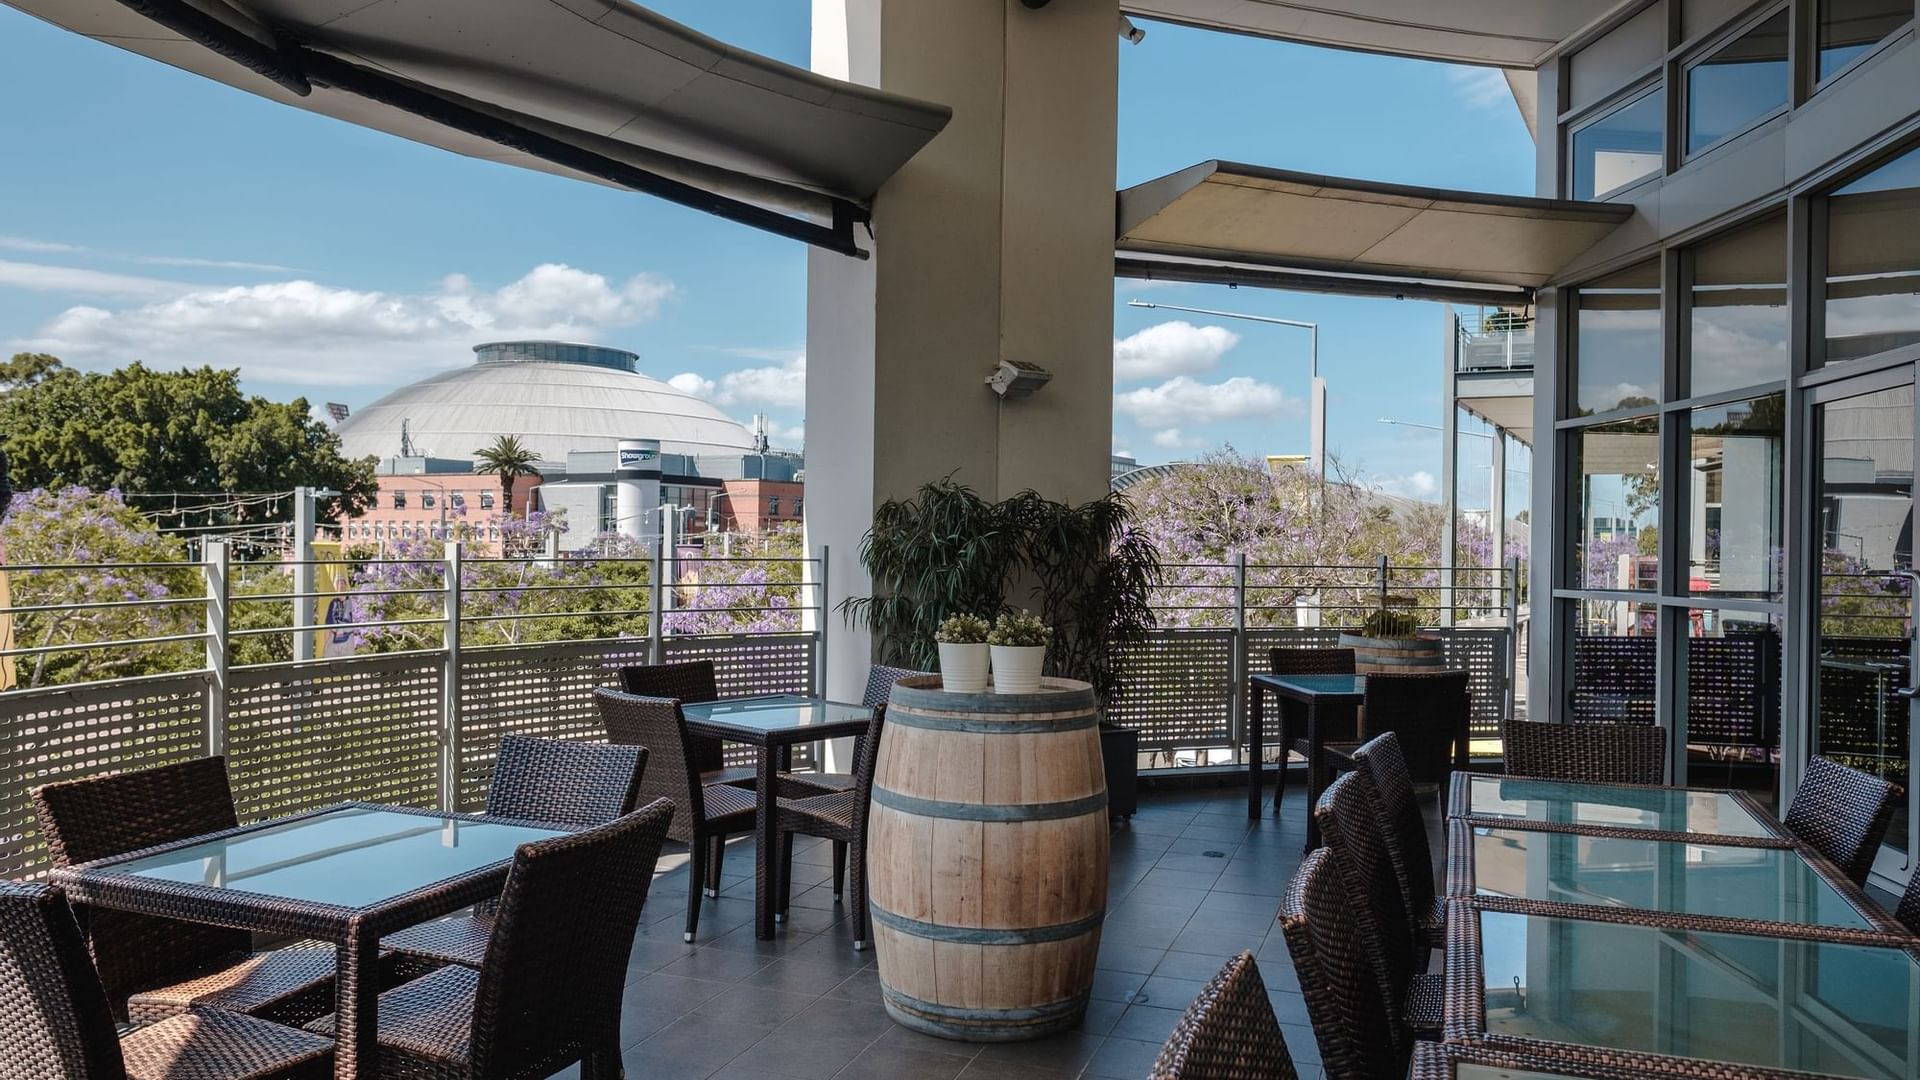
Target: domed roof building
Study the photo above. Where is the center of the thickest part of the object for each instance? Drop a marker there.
(557, 397)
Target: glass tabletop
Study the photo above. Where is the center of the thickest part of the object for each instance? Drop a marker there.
(1467, 1070)
(1675, 810)
(1772, 884)
(1842, 1010)
(1321, 684)
(776, 712)
(351, 857)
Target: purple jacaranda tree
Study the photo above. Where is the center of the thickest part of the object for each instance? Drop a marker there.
(754, 591)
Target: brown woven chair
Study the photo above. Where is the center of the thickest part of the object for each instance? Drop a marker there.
(1350, 820)
(841, 817)
(1596, 753)
(1843, 814)
(689, 682)
(1381, 762)
(565, 783)
(55, 1023)
(1908, 911)
(1430, 712)
(548, 993)
(704, 815)
(1345, 1001)
(1228, 1033)
(1312, 660)
(153, 968)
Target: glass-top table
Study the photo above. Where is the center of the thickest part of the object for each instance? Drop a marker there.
(1839, 1009)
(348, 857)
(774, 712)
(1774, 885)
(1523, 801)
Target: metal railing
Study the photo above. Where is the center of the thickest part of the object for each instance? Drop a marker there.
(403, 693)
(1492, 340)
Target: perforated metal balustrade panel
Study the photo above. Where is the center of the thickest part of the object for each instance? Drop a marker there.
(1178, 692)
(309, 735)
(66, 733)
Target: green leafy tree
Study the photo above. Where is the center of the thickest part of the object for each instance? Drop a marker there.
(136, 429)
(509, 460)
(27, 369)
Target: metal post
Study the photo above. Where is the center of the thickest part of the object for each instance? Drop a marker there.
(450, 687)
(820, 595)
(303, 576)
(215, 565)
(1513, 635)
(654, 596)
(1237, 661)
(1449, 466)
(1497, 500)
(1383, 582)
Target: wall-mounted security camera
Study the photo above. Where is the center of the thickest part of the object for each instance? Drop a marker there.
(1132, 33)
(1017, 378)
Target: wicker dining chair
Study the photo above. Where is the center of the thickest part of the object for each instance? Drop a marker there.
(1908, 910)
(1341, 985)
(1430, 712)
(689, 682)
(565, 783)
(1600, 753)
(841, 817)
(153, 968)
(1310, 660)
(55, 1023)
(548, 993)
(704, 815)
(1350, 821)
(1228, 1033)
(1380, 761)
(1842, 813)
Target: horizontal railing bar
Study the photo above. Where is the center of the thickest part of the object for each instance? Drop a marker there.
(37, 650)
(98, 605)
(324, 628)
(257, 598)
(50, 567)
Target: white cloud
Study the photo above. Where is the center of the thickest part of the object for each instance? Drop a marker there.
(40, 277)
(782, 385)
(1181, 401)
(1172, 439)
(689, 383)
(52, 247)
(1170, 348)
(322, 335)
(1415, 485)
(37, 247)
(786, 435)
(1480, 87)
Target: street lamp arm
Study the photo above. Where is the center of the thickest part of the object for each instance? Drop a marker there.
(1225, 314)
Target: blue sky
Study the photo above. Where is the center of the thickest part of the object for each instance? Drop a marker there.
(150, 214)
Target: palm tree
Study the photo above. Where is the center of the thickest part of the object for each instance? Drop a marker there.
(509, 461)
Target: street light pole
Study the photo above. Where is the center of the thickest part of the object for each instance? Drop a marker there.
(1317, 411)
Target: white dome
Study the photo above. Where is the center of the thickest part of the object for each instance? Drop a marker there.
(556, 397)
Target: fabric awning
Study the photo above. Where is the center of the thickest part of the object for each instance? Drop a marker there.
(602, 90)
(1227, 213)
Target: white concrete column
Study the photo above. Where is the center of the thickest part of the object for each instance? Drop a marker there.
(995, 241)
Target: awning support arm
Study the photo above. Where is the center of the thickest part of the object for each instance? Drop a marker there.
(1337, 284)
(300, 68)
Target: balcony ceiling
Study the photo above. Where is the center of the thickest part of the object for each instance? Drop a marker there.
(1500, 33)
(604, 77)
(1246, 214)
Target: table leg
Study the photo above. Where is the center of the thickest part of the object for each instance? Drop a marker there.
(1287, 709)
(1256, 726)
(764, 845)
(356, 1000)
(1316, 777)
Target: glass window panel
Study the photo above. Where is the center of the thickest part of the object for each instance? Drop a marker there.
(1614, 645)
(1617, 350)
(1743, 81)
(1873, 262)
(1732, 692)
(1848, 28)
(1737, 310)
(1734, 499)
(1619, 149)
(1618, 499)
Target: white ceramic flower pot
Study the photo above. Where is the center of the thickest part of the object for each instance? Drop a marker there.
(963, 667)
(1016, 668)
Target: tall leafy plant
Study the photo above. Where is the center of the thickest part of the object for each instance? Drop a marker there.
(947, 551)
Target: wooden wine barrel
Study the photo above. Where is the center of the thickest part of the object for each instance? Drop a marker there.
(987, 859)
(1394, 656)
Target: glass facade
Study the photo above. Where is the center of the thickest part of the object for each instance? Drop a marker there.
(1847, 29)
(1737, 456)
(1737, 84)
(1873, 262)
(1616, 352)
(1737, 325)
(1619, 149)
(1616, 545)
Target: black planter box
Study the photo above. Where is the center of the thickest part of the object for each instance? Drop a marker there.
(1120, 749)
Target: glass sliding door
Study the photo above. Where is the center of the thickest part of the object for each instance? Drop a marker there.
(1863, 628)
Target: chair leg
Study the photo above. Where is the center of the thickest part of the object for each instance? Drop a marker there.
(604, 1064)
(714, 863)
(839, 869)
(696, 877)
(862, 919)
(783, 881)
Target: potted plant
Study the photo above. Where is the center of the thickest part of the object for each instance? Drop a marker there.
(962, 640)
(1019, 646)
(1390, 643)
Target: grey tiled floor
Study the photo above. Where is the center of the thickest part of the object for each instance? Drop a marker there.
(1193, 882)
